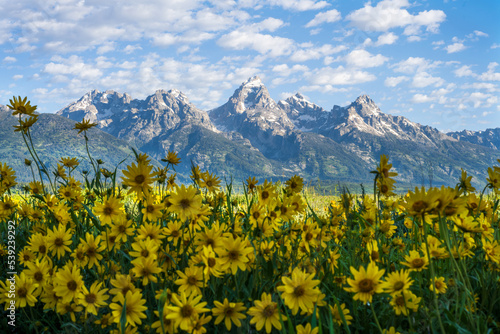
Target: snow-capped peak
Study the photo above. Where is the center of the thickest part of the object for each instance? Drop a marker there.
(253, 82)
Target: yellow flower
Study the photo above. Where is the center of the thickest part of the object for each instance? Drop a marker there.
(415, 261)
(397, 281)
(439, 284)
(25, 124)
(266, 314)
(121, 228)
(307, 329)
(39, 272)
(94, 298)
(58, 240)
(186, 202)
(71, 308)
(134, 308)
(251, 184)
(111, 209)
(209, 181)
(366, 282)
(300, 291)
(84, 125)
(122, 284)
(144, 249)
(92, 248)
(229, 312)
(21, 106)
(234, 254)
(146, 268)
(24, 291)
(404, 301)
(191, 281)
(68, 283)
(171, 158)
(152, 211)
(337, 317)
(138, 178)
(391, 330)
(294, 184)
(186, 309)
(168, 324)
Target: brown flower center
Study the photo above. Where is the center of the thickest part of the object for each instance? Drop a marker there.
(90, 298)
(417, 263)
(108, 211)
(398, 285)
(192, 280)
(38, 276)
(419, 206)
(299, 291)
(186, 311)
(71, 285)
(58, 242)
(22, 292)
(42, 249)
(268, 311)
(185, 203)
(233, 255)
(366, 285)
(139, 179)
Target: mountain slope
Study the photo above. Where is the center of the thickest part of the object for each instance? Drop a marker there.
(54, 138)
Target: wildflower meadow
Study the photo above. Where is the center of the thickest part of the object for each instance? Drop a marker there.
(141, 253)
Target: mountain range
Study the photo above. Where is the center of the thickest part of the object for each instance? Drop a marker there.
(253, 135)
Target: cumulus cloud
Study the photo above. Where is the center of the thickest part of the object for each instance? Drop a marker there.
(490, 75)
(424, 79)
(339, 76)
(9, 59)
(422, 98)
(394, 81)
(300, 5)
(388, 14)
(264, 44)
(463, 71)
(414, 64)
(362, 58)
(324, 17)
(455, 47)
(386, 39)
(311, 52)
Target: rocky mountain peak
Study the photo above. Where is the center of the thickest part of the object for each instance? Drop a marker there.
(250, 95)
(364, 106)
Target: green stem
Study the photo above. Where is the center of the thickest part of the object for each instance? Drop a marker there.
(376, 319)
(433, 277)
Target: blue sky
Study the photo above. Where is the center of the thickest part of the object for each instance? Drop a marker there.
(433, 61)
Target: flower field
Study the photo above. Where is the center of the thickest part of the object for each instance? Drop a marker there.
(143, 254)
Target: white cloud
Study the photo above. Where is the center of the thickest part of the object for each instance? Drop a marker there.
(308, 53)
(455, 47)
(363, 58)
(271, 24)
(324, 17)
(300, 5)
(489, 87)
(424, 79)
(264, 44)
(339, 76)
(73, 66)
(463, 71)
(413, 64)
(495, 46)
(422, 98)
(386, 39)
(17, 77)
(388, 14)
(9, 59)
(285, 71)
(394, 81)
(490, 75)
